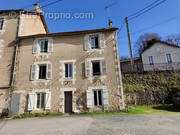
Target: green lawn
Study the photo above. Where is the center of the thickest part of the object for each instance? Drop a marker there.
(156, 109)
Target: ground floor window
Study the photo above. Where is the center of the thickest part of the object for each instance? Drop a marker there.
(97, 97)
(41, 100)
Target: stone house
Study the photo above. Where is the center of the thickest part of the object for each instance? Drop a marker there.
(58, 72)
(161, 56)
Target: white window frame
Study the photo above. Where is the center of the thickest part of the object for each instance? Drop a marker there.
(90, 61)
(168, 55)
(2, 23)
(40, 104)
(68, 71)
(40, 41)
(36, 72)
(33, 104)
(94, 36)
(97, 96)
(151, 60)
(37, 46)
(62, 73)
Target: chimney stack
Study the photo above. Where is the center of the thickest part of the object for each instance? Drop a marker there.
(37, 8)
(110, 23)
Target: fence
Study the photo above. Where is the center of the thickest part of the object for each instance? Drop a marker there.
(140, 67)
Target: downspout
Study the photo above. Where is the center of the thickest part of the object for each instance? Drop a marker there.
(13, 70)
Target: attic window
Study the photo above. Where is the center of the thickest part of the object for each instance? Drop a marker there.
(1, 23)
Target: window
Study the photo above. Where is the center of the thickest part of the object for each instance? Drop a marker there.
(41, 100)
(97, 97)
(42, 71)
(68, 70)
(151, 62)
(96, 68)
(94, 40)
(169, 58)
(44, 46)
(1, 24)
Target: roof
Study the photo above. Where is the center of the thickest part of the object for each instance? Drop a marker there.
(128, 59)
(150, 44)
(28, 12)
(70, 33)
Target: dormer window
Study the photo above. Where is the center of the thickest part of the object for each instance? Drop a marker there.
(1, 23)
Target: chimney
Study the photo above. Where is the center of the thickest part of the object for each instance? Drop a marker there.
(37, 8)
(110, 23)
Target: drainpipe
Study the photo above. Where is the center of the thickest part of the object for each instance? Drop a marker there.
(13, 68)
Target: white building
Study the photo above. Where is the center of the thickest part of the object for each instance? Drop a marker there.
(161, 56)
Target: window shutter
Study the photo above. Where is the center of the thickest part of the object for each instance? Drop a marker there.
(101, 41)
(87, 68)
(33, 72)
(103, 67)
(35, 46)
(48, 101)
(89, 97)
(50, 45)
(87, 44)
(105, 98)
(31, 99)
(49, 72)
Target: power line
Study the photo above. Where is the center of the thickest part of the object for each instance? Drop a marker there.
(51, 3)
(155, 25)
(145, 11)
(144, 8)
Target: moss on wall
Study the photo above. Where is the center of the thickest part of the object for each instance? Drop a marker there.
(154, 81)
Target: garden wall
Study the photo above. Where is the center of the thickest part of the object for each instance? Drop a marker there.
(150, 87)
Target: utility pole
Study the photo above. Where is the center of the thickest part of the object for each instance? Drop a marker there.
(129, 40)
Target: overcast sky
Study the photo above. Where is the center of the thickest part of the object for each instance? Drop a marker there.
(118, 11)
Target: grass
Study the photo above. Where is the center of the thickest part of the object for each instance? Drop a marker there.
(146, 110)
(29, 115)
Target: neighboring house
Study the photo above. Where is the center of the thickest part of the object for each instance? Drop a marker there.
(62, 72)
(126, 65)
(160, 56)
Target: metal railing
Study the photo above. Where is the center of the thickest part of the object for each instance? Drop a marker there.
(140, 67)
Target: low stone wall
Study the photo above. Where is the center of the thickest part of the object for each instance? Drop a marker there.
(148, 97)
(4, 99)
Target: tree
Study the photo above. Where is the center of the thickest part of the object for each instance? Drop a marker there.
(173, 39)
(144, 40)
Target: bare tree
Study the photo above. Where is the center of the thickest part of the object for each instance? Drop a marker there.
(173, 39)
(143, 41)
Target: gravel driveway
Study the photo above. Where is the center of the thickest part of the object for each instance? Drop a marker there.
(99, 125)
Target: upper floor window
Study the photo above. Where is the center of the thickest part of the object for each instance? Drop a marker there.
(1, 23)
(41, 71)
(169, 58)
(68, 70)
(42, 46)
(95, 68)
(151, 62)
(94, 41)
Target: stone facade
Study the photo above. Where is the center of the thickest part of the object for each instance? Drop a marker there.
(30, 93)
(70, 49)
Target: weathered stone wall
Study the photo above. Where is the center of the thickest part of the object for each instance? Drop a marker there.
(4, 99)
(150, 87)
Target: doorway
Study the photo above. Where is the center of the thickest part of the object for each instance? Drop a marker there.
(68, 101)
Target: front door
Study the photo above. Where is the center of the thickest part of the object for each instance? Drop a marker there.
(68, 101)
